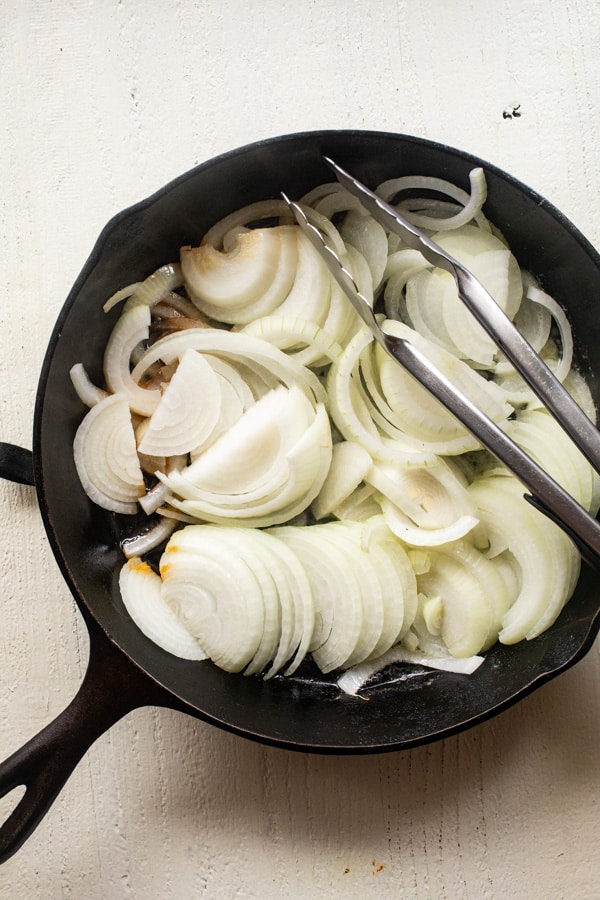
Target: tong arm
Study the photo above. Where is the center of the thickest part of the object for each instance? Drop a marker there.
(546, 494)
(491, 317)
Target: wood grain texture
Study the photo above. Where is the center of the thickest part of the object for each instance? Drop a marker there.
(102, 103)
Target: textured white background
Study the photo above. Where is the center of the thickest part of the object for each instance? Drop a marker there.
(103, 102)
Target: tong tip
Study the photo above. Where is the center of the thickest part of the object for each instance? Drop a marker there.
(294, 207)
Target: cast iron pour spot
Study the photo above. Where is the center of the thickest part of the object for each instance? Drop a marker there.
(302, 713)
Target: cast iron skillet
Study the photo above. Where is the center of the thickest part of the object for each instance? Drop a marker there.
(305, 712)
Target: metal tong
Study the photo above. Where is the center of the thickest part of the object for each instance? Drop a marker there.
(545, 493)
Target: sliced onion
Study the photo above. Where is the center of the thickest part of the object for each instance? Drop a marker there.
(349, 464)
(433, 303)
(251, 280)
(310, 293)
(467, 617)
(430, 493)
(188, 411)
(369, 238)
(149, 291)
(215, 593)
(423, 417)
(149, 540)
(266, 468)
(333, 586)
(307, 342)
(105, 456)
(472, 204)
(141, 591)
(131, 328)
(88, 393)
(547, 560)
(417, 536)
(236, 348)
(237, 221)
(566, 336)
(354, 679)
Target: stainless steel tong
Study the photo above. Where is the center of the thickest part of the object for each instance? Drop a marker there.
(545, 493)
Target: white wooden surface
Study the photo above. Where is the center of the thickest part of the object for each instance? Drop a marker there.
(100, 104)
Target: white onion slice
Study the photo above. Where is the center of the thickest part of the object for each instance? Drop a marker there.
(250, 280)
(349, 464)
(141, 591)
(472, 203)
(149, 291)
(566, 335)
(547, 560)
(333, 587)
(423, 417)
(105, 456)
(369, 238)
(215, 593)
(131, 329)
(354, 679)
(304, 339)
(188, 411)
(149, 540)
(86, 390)
(236, 348)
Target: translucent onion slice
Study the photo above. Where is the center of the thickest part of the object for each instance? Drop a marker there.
(239, 219)
(579, 389)
(496, 577)
(430, 493)
(86, 390)
(400, 268)
(547, 560)
(422, 416)
(540, 297)
(432, 298)
(369, 238)
(148, 540)
(131, 329)
(391, 425)
(359, 506)
(347, 408)
(472, 203)
(467, 616)
(311, 289)
(534, 321)
(385, 562)
(141, 592)
(401, 594)
(415, 535)
(304, 339)
(349, 464)
(106, 458)
(150, 291)
(540, 435)
(188, 411)
(345, 539)
(352, 680)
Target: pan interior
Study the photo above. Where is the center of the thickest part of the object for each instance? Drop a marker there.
(306, 711)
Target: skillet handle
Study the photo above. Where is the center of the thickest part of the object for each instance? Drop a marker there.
(112, 687)
(16, 464)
